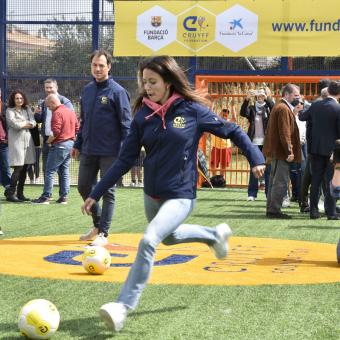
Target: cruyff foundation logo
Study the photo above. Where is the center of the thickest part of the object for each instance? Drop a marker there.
(179, 122)
(196, 27)
(104, 100)
(252, 261)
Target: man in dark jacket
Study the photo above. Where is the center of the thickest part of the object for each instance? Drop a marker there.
(105, 122)
(324, 118)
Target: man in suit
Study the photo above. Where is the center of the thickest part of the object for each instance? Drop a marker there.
(282, 147)
(324, 119)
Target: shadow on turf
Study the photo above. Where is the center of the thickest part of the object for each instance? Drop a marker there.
(216, 199)
(253, 215)
(335, 227)
(92, 328)
(277, 261)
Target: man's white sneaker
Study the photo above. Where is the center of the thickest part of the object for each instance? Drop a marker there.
(220, 247)
(251, 198)
(100, 240)
(114, 315)
(90, 235)
(286, 202)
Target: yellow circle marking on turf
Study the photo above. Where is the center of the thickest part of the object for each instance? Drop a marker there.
(251, 261)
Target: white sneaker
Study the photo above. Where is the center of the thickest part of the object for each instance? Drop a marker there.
(321, 205)
(220, 247)
(286, 203)
(1, 232)
(114, 315)
(100, 240)
(90, 235)
(251, 198)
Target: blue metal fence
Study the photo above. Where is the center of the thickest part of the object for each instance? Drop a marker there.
(40, 39)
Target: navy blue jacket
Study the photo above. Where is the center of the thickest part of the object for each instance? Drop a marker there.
(170, 165)
(105, 118)
(323, 117)
(40, 117)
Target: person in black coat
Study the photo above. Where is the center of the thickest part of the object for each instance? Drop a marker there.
(257, 112)
(324, 119)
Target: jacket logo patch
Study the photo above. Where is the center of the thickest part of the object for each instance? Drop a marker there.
(179, 123)
(104, 100)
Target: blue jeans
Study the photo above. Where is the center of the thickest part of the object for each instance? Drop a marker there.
(58, 160)
(165, 218)
(253, 186)
(45, 151)
(5, 172)
(89, 167)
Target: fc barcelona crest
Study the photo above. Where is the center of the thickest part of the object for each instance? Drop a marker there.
(156, 21)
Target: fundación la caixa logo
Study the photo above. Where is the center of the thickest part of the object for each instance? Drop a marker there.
(236, 28)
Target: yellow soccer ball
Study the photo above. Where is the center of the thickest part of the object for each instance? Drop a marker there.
(38, 319)
(96, 260)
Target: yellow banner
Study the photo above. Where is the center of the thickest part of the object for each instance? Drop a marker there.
(228, 28)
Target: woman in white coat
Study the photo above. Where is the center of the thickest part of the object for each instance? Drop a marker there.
(20, 120)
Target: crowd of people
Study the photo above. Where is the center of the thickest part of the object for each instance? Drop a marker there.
(297, 139)
(287, 140)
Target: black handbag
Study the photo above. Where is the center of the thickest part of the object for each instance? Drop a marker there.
(35, 135)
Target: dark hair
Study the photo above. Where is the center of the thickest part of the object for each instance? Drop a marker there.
(289, 88)
(11, 101)
(171, 73)
(50, 80)
(322, 84)
(98, 53)
(334, 88)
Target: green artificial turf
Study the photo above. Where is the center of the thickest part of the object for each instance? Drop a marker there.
(175, 311)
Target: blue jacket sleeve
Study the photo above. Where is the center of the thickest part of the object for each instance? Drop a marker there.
(209, 122)
(305, 115)
(129, 153)
(123, 107)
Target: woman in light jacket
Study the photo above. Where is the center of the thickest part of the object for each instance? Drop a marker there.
(21, 147)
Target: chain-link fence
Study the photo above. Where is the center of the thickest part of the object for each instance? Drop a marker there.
(42, 39)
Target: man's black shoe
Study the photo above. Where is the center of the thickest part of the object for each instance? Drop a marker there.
(12, 198)
(333, 218)
(278, 215)
(304, 209)
(22, 198)
(314, 216)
